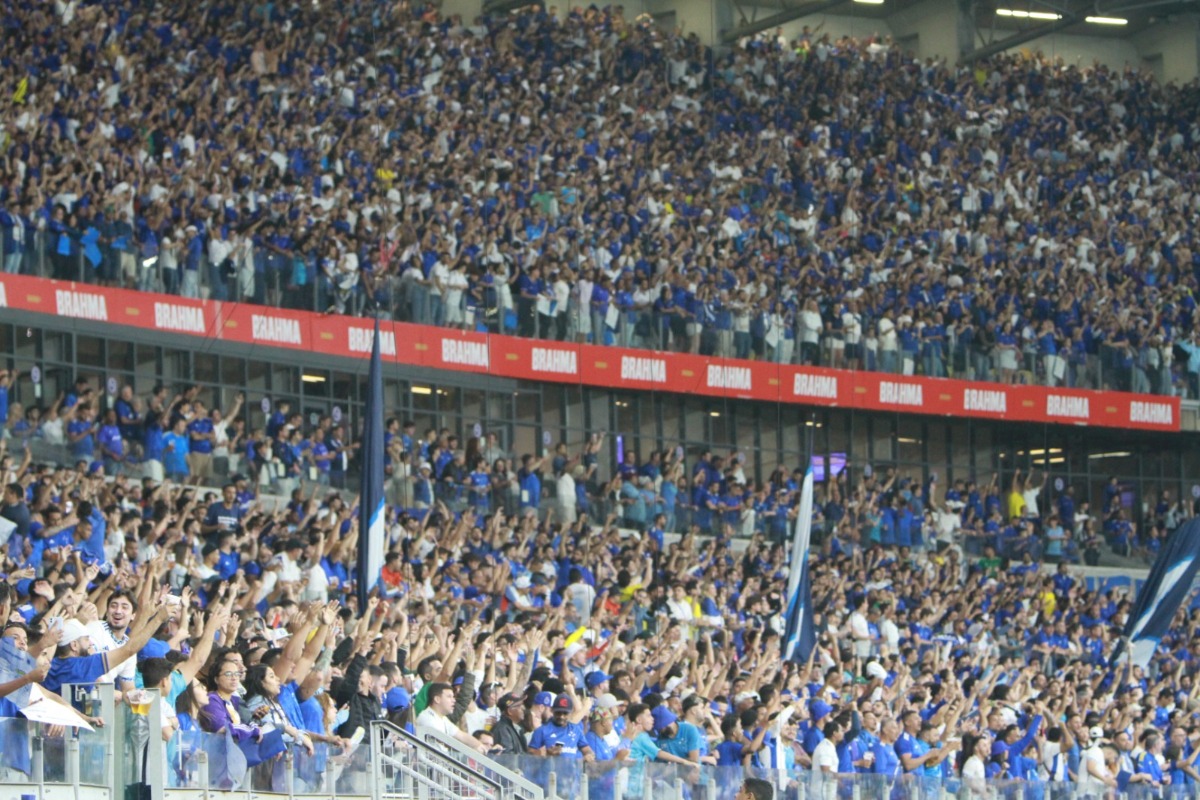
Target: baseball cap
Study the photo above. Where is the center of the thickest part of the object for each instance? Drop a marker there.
(508, 701)
(606, 701)
(543, 699)
(397, 699)
(663, 718)
(1096, 733)
(819, 709)
(572, 650)
(541, 675)
(72, 631)
(594, 679)
(874, 670)
(562, 703)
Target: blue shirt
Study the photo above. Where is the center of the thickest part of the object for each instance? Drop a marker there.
(175, 459)
(76, 670)
(531, 490)
(886, 761)
(85, 447)
(224, 517)
(570, 736)
(201, 426)
(641, 747)
(685, 741)
(600, 748)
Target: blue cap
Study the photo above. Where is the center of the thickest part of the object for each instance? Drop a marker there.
(543, 699)
(155, 648)
(397, 699)
(95, 466)
(24, 586)
(819, 709)
(663, 718)
(999, 747)
(594, 679)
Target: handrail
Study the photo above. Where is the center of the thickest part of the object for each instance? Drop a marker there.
(524, 787)
(425, 749)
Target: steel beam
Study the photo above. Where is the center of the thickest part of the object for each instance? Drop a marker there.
(775, 20)
(1028, 35)
(500, 6)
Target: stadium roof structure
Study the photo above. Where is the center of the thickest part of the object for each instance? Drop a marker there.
(988, 26)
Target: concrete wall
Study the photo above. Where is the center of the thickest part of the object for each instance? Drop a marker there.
(1172, 47)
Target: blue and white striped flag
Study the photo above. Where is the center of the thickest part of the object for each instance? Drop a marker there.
(1165, 590)
(372, 526)
(800, 633)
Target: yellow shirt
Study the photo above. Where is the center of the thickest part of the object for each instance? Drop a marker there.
(1016, 505)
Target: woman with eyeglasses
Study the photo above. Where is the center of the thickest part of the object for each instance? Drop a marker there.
(223, 709)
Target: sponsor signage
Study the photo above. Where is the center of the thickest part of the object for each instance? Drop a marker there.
(567, 362)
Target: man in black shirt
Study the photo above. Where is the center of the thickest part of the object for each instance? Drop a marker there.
(15, 511)
(507, 732)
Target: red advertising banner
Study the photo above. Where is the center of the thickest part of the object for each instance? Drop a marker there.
(590, 365)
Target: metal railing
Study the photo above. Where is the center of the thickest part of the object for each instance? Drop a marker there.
(407, 767)
(516, 786)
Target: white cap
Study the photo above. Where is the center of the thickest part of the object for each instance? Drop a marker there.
(874, 670)
(73, 630)
(572, 650)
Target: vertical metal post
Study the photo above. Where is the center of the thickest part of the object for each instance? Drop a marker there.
(73, 764)
(289, 761)
(375, 733)
(679, 789)
(114, 729)
(648, 789)
(552, 787)
(39, 765)
(202, 773)
(583, 785)
(155, 772)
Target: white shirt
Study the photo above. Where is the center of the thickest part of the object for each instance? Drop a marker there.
(434, 721)
(105, 642)
(824, 756)
(1092, 755)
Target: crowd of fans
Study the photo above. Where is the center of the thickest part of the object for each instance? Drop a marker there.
(590, 178)
(529, 625)
(585, 177)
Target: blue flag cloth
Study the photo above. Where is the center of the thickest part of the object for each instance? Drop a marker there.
(373, 538)
(258, 751)
(227, 763)
(1169, 584)
(800, 633)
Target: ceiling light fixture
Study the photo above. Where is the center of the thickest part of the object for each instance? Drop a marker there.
(1106, 20)
(1018, 14)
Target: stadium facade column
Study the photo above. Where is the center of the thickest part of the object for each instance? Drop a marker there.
(467, 9)
(705, 18)
(934, 28)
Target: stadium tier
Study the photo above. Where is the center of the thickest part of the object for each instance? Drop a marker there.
(737, 422)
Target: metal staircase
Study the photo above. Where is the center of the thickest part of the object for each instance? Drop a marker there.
(435, 767)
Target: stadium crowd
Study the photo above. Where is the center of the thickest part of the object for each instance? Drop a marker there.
(586, 177)
(530, 625)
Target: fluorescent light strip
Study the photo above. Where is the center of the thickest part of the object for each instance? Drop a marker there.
(1106, 20)
(1010, 12)
(870, 2)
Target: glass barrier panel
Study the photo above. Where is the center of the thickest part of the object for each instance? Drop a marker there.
(16, 749)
